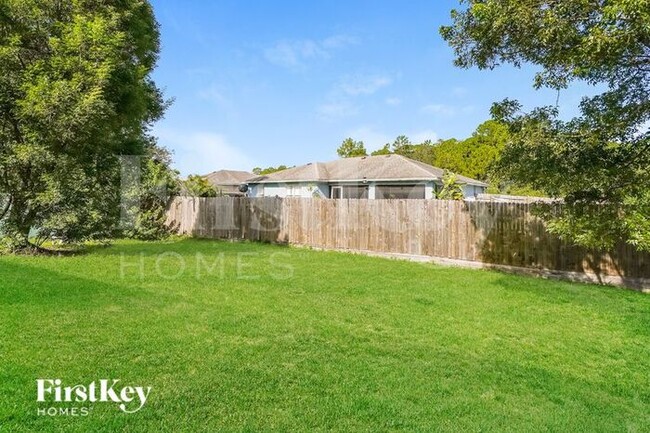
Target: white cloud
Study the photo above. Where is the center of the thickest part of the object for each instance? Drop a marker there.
(294, 54)
(203, 152)
(393, 101)
(332, 110)
(339, 41)
(341, 99)
(446, 110)
(468, 109)
(642, 129)
(459, 92)
(355, 85)
(440, 109)
(214, 95)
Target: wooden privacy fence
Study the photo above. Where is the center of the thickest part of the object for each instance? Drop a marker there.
(495, 234)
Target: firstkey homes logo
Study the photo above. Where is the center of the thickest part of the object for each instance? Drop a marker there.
(129, 399)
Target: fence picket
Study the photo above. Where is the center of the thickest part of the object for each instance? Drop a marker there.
(495, 233)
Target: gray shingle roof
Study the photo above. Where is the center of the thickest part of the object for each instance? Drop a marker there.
(228, 181)
(380, 167)
(228, 177)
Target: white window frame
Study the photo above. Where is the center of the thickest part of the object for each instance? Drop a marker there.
(294, 190)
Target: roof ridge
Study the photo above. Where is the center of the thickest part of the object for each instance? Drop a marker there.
(378, 167)
(320, 170)
(417, 164)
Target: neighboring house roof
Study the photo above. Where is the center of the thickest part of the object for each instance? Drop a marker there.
(228, 180)
(377, 168)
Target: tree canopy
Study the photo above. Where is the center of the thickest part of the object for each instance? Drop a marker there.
(384, 150)
(598, 162)
(472, 157)
(75, 92)
(268, 170)
(198, 186)
(350, 148)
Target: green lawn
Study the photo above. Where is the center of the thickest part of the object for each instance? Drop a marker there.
(290, 339)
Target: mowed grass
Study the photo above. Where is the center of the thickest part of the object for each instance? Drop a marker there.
(274, 338)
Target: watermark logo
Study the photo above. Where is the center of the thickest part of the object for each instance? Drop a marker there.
(129, 399)
(244, 265)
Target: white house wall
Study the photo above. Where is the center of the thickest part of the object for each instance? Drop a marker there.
(322, 189)
(274, 190)
(470, 191)
(429, 190)
(306, 190)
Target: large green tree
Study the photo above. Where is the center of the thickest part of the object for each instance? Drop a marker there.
(350, 148)
(75, 92)
(149, 197)
(598, 162)
(477, 157)
(402, 146)
(268, 170)
(384, 150)
(198, 186)
(473, 157)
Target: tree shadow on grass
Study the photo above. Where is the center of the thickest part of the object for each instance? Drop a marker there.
(626, 308)
(30, 283)
(60, 324)
(539, 389)
(184, 246)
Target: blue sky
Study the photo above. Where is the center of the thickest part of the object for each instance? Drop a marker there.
(259, 83)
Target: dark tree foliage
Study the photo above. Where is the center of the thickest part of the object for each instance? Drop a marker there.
(384, 150)
(268, 170)
(75, 92)
(350, 148)
(158, 184)
(473, 157)
(598, 162)
(198, 186)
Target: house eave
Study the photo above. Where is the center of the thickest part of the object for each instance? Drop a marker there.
(330, 181)
(255, 182)
(383, 180)
(344, 180)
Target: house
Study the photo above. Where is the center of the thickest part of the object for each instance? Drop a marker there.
(227, 182)
(372, 177)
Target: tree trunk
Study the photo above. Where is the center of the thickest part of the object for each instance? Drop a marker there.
(17, 225)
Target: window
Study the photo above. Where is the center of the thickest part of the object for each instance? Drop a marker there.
(349, 191)
(360, 191)
(293, 190)
(399, 191)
